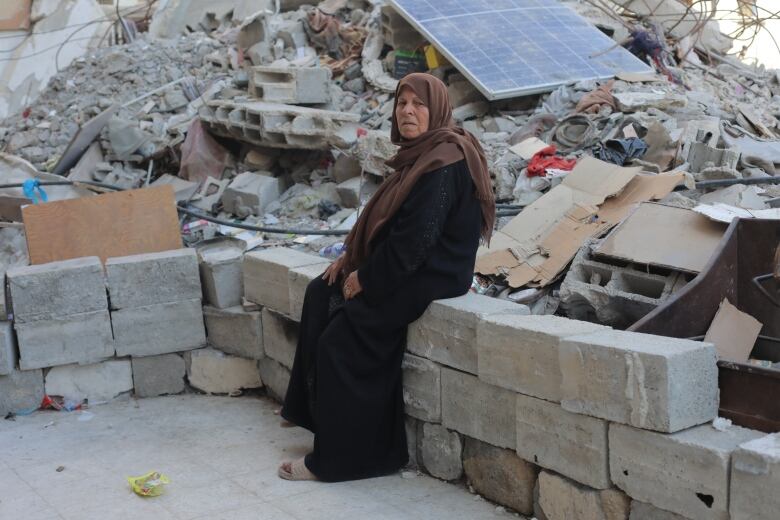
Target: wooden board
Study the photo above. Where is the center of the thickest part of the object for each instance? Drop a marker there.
(109, 225)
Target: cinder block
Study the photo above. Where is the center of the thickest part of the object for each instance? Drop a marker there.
(520, 353)
(571, 444)
(78, 338)
(8, 355)
(266, 276)
(159, 329)
(644, 511)
(57, 289)
(250, 192)
(398, 33)
(651, 382)
(158, 375)
(280, 337)
(98, 382)
(150, 278)
(215, 372)
(275, 377)
(500, 475)
(755, 479)
(221, 276)
(562, 499)
(686, 472)
(447, 331)
(440, 451)
(20, 390)
(299, 279)
(294, 85)
(477, 409)
(235, 331)
(422, 388)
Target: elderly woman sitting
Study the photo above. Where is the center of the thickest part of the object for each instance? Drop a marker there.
(415, 242)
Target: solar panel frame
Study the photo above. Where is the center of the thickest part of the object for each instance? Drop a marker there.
(502, 51)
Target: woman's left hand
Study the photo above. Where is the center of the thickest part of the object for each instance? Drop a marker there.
(351, 286)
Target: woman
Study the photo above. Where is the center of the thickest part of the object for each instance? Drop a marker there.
(415, 242)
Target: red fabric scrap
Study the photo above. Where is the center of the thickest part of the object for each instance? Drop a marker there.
(546, 158)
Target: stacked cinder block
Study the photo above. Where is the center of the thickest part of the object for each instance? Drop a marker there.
(296, 85)
(156, 314)
(280, 126)
(398, 33)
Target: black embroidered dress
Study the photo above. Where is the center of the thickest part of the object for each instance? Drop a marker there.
(346, 379)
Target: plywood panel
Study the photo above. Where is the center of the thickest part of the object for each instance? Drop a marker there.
(109, 225)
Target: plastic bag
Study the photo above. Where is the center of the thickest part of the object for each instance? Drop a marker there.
(149, 485)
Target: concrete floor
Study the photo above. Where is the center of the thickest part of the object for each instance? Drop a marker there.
(221, 455)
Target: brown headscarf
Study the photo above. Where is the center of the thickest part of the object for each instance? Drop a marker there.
(443, 144)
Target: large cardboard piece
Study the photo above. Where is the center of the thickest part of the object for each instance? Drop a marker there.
(733, 333)
(15, 15)
(114, 224)
(536, 245)
(664, 236)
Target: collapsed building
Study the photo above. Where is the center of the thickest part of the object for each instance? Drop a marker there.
(626, 300)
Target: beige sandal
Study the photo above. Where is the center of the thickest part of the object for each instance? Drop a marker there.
(298, 471)
(287, 424)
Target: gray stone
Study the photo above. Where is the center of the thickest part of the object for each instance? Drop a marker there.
(159, 329)
(755, 479)
(571, 444)
(57, 289)
(215, 372)
(345, 167)
(447, 331)
(275, 377)
(685, 472)
(266, 275)
(150, 278)
(235, 331)
(299, 279)
(422, 388)
(158, 375)
(477, 409)
(520, 353)
(651, 382)
(440, 452)
(20, 390)
(644, 511)
(8, 356)
(98, 382)
(500, 475)
(78, 338)
(250, 192)
(280, 337)
(349, 192)
(221, 276)
(562, 499)
(412, 427)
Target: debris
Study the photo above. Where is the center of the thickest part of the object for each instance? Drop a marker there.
(149, 485)
(546, 159)
(202, 156)
(621, 151)
(733, 333)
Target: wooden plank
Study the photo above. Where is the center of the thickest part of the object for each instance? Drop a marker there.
(109, 225)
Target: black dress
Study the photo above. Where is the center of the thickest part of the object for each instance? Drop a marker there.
(346, 379)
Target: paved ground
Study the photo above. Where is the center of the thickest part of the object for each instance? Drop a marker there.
(221, 455)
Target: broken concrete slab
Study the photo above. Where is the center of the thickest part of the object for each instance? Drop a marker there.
(447, 331)
(266, 275)
(158, 375)
(57, 289)
(422, 388)
(21, 390)
(153, 278)
(500, 475)
(755, 473)
(299, 280)
(702, 156)
(235, 331)
(652, 382)
(275, 377)
(215, 372)
(8, 354)
(686, 472)
(76, 338)
(440, 452)
(562, 499)
(280, 337)
(160, 328)
(250, 192)
(294, 85)
(221, 276)
(642, 101)
(98, 382)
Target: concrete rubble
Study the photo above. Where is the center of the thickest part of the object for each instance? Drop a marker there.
(274, 135)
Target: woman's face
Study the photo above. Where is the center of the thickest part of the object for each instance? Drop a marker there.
(411, 114)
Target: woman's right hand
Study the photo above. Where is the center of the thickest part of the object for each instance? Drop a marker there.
(334, 270)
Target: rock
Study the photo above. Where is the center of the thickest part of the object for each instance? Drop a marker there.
(214, 372)
(562, 499)
(440, 451)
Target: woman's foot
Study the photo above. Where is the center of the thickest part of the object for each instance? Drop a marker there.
(296, 470)
(286, 424)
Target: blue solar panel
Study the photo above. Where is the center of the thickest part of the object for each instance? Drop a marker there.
(514, 47)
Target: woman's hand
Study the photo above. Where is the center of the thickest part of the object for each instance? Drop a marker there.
(334, 270)
(352, 286)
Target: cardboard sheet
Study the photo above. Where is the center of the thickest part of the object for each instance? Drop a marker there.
(114, 224)
(664, 236)
(733, 333)
(536, 245)
(528, 148)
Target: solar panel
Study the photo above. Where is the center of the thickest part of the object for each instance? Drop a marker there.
(509, 48)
